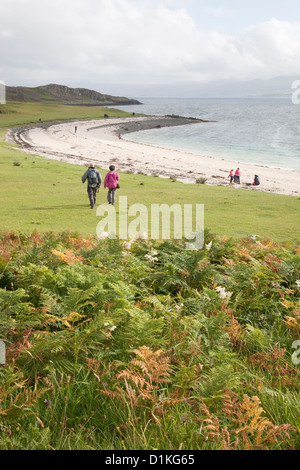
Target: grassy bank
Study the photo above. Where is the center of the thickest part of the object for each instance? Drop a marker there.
(16, 114)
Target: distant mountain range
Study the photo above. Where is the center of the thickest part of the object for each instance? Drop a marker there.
(64, 95)
(278, 87)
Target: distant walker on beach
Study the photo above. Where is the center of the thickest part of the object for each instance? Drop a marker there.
(94, 181)
(111, 182)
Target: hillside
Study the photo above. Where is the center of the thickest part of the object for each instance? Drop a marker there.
(64, 95)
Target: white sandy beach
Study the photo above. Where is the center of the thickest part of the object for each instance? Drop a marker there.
(97, 141)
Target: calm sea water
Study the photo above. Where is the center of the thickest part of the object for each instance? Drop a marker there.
(259, 131)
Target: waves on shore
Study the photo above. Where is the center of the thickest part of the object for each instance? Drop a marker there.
(256, 131)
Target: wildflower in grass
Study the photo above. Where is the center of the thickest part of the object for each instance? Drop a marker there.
(252, 236)
(127, 245)
(223, 294)
(208, 246)
(178, 307)
(103, 236)
(112, 328)
(151, 256)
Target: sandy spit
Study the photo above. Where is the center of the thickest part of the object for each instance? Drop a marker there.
(98, 142)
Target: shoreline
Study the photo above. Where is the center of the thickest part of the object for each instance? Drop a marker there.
(97, 141)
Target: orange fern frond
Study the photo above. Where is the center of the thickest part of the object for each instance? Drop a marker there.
(255, 429)
(68, 257)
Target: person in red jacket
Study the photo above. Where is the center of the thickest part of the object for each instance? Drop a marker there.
(111, 182)
(237, 176)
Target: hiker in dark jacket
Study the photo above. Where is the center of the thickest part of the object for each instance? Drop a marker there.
(94, 181)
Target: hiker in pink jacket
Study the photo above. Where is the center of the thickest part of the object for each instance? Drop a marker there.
(111, 182)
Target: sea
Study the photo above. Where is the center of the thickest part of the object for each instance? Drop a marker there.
(263, 131)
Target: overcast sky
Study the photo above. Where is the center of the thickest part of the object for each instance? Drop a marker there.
(92, 43)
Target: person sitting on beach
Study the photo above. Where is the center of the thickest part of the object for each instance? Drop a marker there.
(256, 181)
(111, 182)
(94, 181)
(231, 176)
(237, 176)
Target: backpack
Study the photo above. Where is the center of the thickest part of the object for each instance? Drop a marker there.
(93, 177)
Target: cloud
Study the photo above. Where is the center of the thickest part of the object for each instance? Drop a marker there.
(272, 48)
(134, 41)
(219, 11)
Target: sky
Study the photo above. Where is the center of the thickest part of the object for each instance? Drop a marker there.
(101, 44)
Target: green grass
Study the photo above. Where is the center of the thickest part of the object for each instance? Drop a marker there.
(48, 195)
(16, 114)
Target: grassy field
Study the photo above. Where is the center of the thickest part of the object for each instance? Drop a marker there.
(16, 114)
(48, 195)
